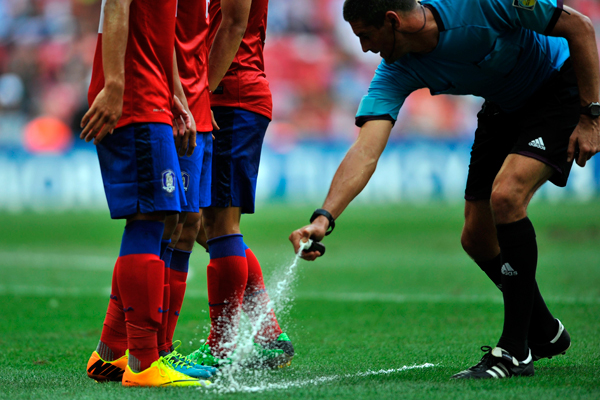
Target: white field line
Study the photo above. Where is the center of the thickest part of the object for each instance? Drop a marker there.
(315, 381)
(74, 291)
(82, 262)
(59, 261)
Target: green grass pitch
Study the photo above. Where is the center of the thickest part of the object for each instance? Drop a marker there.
(394, 291)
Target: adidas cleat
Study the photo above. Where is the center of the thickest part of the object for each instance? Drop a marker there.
(497, 363)
(557, 346)
(204, 357)
(183, 364)
(103, 371)
(275, 354)
(160, 374)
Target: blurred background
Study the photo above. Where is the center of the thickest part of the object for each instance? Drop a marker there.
(318, 75)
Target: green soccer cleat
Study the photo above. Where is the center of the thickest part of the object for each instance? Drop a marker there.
(203, 356)
(183, 364)
(275, 354)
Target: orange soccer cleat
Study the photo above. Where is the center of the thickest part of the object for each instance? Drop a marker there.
(103, 371)
(159, 374)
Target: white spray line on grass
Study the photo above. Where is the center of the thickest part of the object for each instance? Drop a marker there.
(314, 381)
(73, 291)
(241, 337)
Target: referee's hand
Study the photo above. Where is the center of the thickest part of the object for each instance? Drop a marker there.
(314, 231)
(585, 141)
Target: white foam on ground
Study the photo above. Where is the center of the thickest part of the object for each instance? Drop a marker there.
(236, 376)
(285, 385)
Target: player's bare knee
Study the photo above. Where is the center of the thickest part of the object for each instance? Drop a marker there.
(475, 243)
(506, 203)
(468, 241)
(188, 236)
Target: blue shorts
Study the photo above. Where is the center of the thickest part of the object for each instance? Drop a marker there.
(196, 174)
(140, 170)
(236, 155)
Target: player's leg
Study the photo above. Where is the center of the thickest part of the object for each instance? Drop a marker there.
(185, 234)
(195, 178)
(517, 181)
(513, 188)
(246, 143)
(196, 175)
(227, 273)
(140, 276)
(480, 241)
(479, 238)
(196, 183)
(166, 252)
(140, 174)
(538, 154)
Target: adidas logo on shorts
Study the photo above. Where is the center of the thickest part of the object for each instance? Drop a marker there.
(538, 143)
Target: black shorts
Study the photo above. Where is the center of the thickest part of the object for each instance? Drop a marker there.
(541, 130)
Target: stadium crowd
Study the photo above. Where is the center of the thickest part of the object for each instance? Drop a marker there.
(315, 67)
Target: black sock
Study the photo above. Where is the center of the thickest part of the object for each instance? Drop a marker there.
(492, 269)
(543, 326)
(519, 262)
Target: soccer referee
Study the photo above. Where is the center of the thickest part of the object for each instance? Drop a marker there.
(535, 62)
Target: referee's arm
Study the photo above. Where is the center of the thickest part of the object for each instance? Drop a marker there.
(580, 34)
(350, 179)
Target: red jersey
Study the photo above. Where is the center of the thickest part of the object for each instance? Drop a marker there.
(245, 85)
(148, 63)
(192, 58)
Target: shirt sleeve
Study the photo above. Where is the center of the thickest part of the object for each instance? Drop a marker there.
(389, 88)
(537, 15)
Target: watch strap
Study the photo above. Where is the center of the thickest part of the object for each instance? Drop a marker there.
(592, 110)
(318, 212)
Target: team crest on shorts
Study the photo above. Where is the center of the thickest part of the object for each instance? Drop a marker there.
(168, 181)
(525, 4)
(185, 177)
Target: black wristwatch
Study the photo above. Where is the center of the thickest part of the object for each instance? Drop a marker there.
(592, 110)
(318, 212)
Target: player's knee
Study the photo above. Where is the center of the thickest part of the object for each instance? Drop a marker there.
(505, 201)
(468, 241)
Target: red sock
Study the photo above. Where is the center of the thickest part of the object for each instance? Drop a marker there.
(163, 344)
(179, 266)
(140, 278)
(227, 275)
(178, 286)
(256, 301)
(114, 332)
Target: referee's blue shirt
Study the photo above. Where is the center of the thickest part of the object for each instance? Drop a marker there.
(495, 49)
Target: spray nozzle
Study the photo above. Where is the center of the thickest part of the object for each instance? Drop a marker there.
(311, 245)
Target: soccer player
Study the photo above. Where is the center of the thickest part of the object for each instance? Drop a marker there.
(536, 65)
(130, 121)
(195, 162)
(242, 105)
